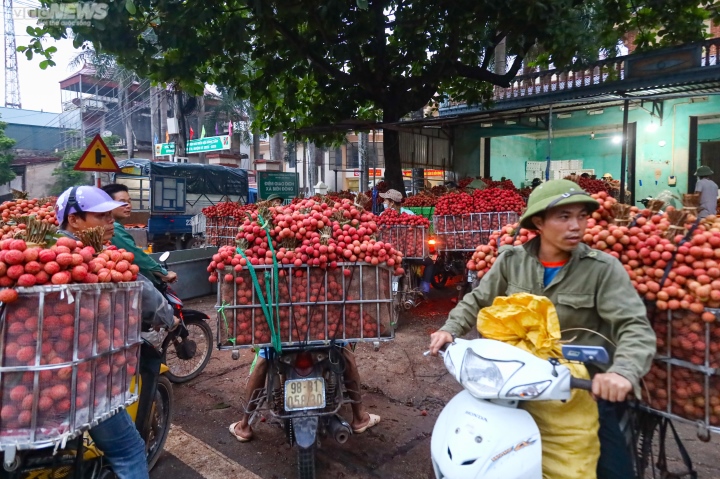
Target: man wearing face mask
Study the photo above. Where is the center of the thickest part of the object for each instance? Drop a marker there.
(393, 200)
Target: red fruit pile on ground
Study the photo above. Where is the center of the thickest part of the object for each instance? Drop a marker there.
(392, 217)
(592, 186)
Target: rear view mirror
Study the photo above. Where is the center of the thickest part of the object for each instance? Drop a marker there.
(164, 256)
(586, 354)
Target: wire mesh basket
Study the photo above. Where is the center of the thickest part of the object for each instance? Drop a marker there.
(221, 231)
(350, 303)
(465, 232)
(68, 355)
(684, 382)
(411, 241)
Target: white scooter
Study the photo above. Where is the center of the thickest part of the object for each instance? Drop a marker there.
(482, 433)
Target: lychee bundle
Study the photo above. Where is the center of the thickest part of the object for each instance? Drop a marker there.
(313, 304)
(67, 356)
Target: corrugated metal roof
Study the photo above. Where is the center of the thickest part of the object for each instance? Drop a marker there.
(28, 117)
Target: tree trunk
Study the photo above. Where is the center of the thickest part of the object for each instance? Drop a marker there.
(312, 166)
(276, 147)
(154, 131)
(255, 146)
(177, 110)
(391, 150)
(200, 123)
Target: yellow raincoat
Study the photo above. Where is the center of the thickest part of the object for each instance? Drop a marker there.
(569, 430)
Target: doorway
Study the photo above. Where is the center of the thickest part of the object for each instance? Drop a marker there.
(710, 156)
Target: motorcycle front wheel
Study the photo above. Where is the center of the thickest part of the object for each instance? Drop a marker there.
(160, 420)
(185, 365)
(306, 462)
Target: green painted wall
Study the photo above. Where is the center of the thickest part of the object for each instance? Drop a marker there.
(655, 162)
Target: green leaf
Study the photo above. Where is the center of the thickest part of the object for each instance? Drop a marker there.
(43, 64)
(51, 49)
(130, 7)
(362, 4)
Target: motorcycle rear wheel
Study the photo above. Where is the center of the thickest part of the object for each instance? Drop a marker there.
(439, 279)
(306, 462)
(160, 421)
(183, 370)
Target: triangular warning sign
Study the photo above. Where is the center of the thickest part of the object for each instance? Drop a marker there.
(97, 157)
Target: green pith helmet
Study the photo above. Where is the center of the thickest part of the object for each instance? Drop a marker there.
(555, 193)
(274, 197)
(704, 171)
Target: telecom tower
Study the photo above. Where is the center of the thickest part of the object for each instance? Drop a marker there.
(12, 79)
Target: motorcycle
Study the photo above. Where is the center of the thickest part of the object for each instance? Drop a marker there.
(187, 349)
(80, 458)
(304, 391)
(481, 432)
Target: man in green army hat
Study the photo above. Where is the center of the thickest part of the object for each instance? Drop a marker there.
(708, 190)
(275, 200)
(589, 288)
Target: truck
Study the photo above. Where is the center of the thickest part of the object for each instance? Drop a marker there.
(167, 199)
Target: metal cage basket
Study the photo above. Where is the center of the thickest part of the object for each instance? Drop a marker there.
(684, 381)
(465, 232)
(221, 231)
(350, 303)
(68, 356)
(411, 241)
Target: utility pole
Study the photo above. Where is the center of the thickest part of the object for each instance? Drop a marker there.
(12, 78)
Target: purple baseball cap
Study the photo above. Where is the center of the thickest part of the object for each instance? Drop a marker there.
(84, 198)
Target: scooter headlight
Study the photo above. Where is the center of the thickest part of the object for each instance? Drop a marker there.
(527, 391)
(483, 378)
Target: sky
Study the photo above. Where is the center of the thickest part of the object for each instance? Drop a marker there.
(39, 89)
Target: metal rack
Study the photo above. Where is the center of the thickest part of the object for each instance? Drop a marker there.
(465, 232)
(364, 312)
(411, 241)
(84, 339)
(672, 367)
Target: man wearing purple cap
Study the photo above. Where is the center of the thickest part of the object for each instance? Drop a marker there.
(79, 208)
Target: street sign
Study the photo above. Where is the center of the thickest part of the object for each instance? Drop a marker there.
(163, 149)
(277, 183)
(97, 157)
(209, 143)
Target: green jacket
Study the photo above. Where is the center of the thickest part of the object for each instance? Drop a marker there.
(591, 291)
(147, 265)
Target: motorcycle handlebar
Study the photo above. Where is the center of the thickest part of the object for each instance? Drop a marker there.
(577, 383)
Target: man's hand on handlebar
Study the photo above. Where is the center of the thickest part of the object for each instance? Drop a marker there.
(438, 339)
(611, 387)
(171, 277)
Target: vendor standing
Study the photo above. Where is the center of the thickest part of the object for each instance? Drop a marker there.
(708, 190)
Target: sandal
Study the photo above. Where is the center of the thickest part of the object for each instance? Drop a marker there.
(374, 421)
(238, 436)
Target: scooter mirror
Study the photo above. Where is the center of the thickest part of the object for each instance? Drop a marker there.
(586, 354)
(164, 256)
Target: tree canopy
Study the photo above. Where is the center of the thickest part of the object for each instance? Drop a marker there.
(319, 62)
(6, 156)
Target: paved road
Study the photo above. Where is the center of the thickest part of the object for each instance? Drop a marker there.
(407, 389)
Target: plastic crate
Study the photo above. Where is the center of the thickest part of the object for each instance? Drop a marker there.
(426, 211)
(411, 241)
(465, 232)
(68, 355)
(315, 306)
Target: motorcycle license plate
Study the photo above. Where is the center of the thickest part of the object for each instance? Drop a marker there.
(471, 276)
(303, 394)
(395, 286)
